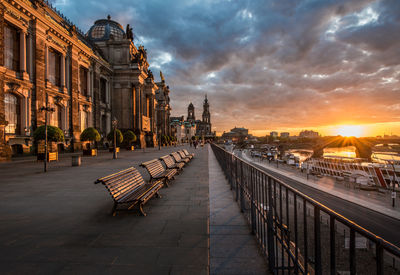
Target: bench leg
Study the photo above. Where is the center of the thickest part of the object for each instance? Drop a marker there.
(114, 210)
(166, 183)
(141, 211)
(158, 195)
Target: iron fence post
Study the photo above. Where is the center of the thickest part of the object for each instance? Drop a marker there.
(270, 230)
(317, 241)
(252, 203)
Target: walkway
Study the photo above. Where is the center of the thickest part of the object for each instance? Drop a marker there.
(59, 222)
(233, 250)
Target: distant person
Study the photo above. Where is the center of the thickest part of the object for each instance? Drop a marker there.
(190, 142)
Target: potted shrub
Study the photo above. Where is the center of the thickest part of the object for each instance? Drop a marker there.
(90, 135)
(129, 138)
(119, 137)
(54, 135)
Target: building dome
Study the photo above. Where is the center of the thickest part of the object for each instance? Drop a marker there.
(106, 29)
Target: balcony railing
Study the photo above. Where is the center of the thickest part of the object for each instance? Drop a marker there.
(299, 234)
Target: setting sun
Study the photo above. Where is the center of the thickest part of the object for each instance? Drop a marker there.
(350, 130)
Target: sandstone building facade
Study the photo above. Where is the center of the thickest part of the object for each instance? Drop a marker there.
(89, 79)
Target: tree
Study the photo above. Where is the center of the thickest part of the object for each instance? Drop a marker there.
(120, 137)
(53, 134)
(129, 137)
(90, 134)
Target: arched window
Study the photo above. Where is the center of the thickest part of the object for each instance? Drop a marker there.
(13, 113)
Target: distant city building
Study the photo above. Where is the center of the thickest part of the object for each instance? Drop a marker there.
(202, 127)
(285, 135)
(236, 134)
(308, 134)
(183, 130)
(273, 134)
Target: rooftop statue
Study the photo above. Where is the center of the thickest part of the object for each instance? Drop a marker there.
(162, 76)
(129, 33)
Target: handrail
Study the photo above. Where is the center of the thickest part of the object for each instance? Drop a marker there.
(258, 180)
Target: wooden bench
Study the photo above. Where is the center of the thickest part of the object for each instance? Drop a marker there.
(171, 164)
(158, 172)
(128, 187)
(187, 153)
(183, 155)
(177, 157)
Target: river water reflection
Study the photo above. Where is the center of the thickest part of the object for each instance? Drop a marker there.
(346, 152)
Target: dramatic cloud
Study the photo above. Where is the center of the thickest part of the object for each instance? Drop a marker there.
(268, 64)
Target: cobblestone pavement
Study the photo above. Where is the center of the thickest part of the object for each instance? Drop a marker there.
(60, 223)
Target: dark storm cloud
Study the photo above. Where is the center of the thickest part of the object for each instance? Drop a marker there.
(266, 64)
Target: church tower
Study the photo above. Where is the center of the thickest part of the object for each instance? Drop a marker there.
(191, 116)
(206, 111)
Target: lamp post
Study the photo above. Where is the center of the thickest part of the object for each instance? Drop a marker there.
(159, 139)
(46, 109)
(114, 124)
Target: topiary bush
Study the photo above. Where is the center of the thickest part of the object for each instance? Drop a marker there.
(90, 134)
(129, 137)
(119, 135)
(53, 134)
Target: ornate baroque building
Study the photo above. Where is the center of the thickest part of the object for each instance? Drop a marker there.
(88, 79)
(201, 128)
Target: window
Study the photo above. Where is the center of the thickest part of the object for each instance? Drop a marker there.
(11, 47)
(83, 75)
(104, 124)
(98, 31)
(103, 90)
(116, 33)
(54, 67)
(13, 113)
(84, 120)
(56, 117)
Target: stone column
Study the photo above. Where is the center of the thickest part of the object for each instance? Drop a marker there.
(88, 80)
(62, 72)
(22, 60)
(46, 61)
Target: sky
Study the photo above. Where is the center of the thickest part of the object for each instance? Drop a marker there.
(282, 65)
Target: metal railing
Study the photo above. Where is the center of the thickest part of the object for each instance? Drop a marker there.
(298, 234)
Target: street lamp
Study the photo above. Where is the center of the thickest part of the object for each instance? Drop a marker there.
(46, 109)
(159, 138)
(114, 124)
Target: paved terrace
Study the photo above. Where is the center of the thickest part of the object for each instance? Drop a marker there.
(59, 222)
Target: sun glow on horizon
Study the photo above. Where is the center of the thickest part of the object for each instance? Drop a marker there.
(350, 130)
